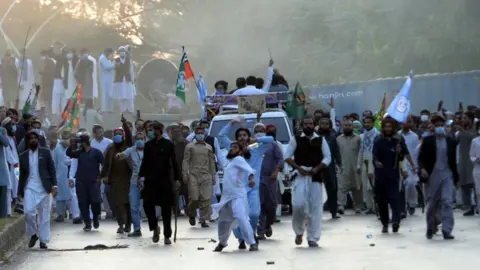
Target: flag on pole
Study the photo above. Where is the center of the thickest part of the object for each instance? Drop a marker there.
(184, 74)
(296, 103)
(400, 106)
(31, 102)
(71, 112)
(201, 94)
(380, 113)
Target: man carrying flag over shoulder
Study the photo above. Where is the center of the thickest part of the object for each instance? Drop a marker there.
(184, 74)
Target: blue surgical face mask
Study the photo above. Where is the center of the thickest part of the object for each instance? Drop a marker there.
(206, 130)
(260, 134)
(69, 56)
(199, 137)
(151, 134)
(337, 129)
(424, 117)
(122, 54)
(440, 130)
(14, 128)
(38, 131)
(117, 139)
(426, 134)
(140, 143)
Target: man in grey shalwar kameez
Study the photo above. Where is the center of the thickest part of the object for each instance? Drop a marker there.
(465, 165)
(438, 170)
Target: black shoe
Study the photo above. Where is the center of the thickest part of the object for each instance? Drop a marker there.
(298, 240)
(385, 229)
(278, 221)
(77, 221)
(167, 241)
(312, 244)
(127, 228)
(411, 211)
(469, 213)
(192, 221)
(341, 211)
(435, 230)
(448, 236)
(269, 232)
(96, 223)
(87, 228)
(43, 245)
(253, 247)
(60, 218)
(156, 235)
(335, 216)
(204, 225)
(261, 237)
(403, 215)
(395, 227)
(120, 230)
(33, 241)
(429, 234)
(135, 234)
(219, 248)
(242, 245)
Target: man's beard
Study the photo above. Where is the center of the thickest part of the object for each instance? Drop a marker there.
(231, 155)
(33, 146)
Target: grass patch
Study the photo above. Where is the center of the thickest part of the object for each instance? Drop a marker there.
(4, 222)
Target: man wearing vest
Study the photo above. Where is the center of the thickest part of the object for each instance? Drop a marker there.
(309, 155)
(124, 90)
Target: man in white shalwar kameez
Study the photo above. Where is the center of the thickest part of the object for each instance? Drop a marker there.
(124, 90)
(12, 160)
(107, 72)
(68, 71)
(38, 181)
(233, 205)
(309, 154)
(25, 77)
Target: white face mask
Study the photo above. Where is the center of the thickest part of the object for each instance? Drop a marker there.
(122, 54)
(260, 134)
(424, 117)
(69, 56)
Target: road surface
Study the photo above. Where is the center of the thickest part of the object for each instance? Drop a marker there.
(343, 245)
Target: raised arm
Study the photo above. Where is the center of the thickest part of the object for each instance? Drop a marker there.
(223, 135)
(268, 81)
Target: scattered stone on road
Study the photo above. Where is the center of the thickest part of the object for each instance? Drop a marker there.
(342, 246)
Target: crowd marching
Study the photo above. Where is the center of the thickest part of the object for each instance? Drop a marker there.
(430, 160)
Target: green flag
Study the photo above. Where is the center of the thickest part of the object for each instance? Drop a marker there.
(380, 113)
(184, 73)
(296, 103)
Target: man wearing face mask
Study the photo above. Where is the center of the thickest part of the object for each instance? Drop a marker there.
(124, 90)
(272, 165)
(117, 174)
(330, 175)
(438, 171)
(349, 178)
(159, 187)
(86, 180)
(135, 153)
(255, 159)
(107, 73)
(68, 74)
(12, 160)
(84, 74)
(221, 87)
(198, 172)
(424, 120)
(48, 77)
(64, 196)
(37, 184)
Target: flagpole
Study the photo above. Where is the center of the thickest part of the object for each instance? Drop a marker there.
(23, 67)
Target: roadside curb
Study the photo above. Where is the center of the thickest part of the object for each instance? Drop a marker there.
(10, 237)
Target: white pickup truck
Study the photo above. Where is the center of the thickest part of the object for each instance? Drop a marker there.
(275, 117)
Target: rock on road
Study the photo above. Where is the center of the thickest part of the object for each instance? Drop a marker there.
(343, 245)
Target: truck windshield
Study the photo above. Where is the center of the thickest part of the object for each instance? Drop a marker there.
(283, 133)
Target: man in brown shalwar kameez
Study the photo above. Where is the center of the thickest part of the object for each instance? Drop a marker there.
(199, 172)
(117, 173)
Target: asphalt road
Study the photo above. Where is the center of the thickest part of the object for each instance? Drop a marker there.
(343, 245)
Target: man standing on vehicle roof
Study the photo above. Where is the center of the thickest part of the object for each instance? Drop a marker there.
(260, 144)
(251, 89)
